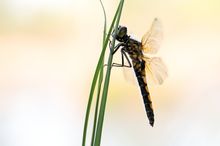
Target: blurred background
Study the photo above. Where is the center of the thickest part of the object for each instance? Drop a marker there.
(48, 53)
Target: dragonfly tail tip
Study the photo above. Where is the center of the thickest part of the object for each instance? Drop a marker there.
(152, 123)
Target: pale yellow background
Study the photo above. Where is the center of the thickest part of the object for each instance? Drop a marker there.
(48, 53)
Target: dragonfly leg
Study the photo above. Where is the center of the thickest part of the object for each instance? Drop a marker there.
(117, 47)
(123, 54)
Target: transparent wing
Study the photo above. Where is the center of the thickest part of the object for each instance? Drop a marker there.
(129, 75)
(152, 39)
(156, 70)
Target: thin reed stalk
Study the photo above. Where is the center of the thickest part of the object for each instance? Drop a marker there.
(100, 111)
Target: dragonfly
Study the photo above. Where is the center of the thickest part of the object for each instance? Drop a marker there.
(145, 67)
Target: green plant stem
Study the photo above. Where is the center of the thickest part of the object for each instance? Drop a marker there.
(94, 81)
(106, 84)
(105, 22)
(100, 81)
(103, 104)
(97, 107)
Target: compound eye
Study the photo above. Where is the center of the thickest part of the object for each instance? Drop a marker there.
(122, 31)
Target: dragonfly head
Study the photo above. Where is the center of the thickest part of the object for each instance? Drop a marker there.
(121, 34)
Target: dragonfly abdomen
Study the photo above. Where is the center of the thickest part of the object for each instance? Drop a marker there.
(139, 68)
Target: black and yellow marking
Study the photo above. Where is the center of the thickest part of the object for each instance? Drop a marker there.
(140, 74)
(139, 69)
(134, 49)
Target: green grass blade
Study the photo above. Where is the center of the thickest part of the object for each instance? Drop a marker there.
(106, 84)
(100, 81)
(105, 22)
(97, 107)
(94, 81)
